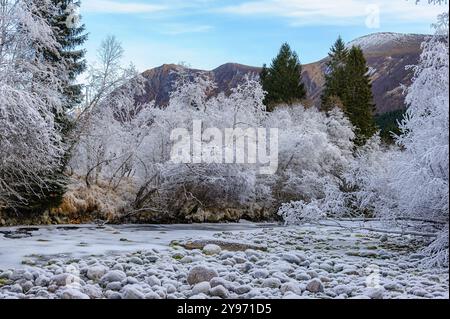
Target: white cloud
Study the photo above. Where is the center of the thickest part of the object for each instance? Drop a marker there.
(113, 6)
(179, 28)
(326, 12)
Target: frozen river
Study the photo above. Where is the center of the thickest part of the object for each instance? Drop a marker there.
(18, 244)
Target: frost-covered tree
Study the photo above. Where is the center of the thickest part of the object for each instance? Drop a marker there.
(422, 176)
(30, 145)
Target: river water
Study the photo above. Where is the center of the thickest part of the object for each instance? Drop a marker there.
(19, 245)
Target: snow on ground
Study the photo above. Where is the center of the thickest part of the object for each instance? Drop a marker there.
(150, 262)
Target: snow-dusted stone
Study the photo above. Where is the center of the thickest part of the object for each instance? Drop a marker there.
(302, 276)
(62, 279)
(291, 287)
(199, 274)
(26, 286)
(153, 281)
(42, 281)
(240, 290)
(186, 260)
(16, 289)
(115, 286)
(326, 267)
(93, 291)
(118, 266)
(239, 260)
(113, 295)
(211, 249)
(374, 293)
(291, 258)
(113, 276)
(136, 260)
(201, 288)
(315, 286)
(343, 289)
(260, 274)
(219, 291)
(291, 295)
(71, 293)
(96, 272)
(170, 289)
(271, 283)
(132, 292)
(152, 295)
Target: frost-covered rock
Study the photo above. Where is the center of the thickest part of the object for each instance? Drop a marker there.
(219, 291)
(271, 283)
(113, 276)
(96, 272)
(132, 292)
(199, 274)
(315, 286)
(71, 293)
(201, 288)
(212, 249)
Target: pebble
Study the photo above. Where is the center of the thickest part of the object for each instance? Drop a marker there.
(199, 274)
(315, 286)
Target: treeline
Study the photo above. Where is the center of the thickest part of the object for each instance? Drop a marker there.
(347, 85)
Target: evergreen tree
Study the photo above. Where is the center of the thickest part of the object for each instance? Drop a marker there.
(282, 80)
(357, 96)
(66, 63)
(335, 80)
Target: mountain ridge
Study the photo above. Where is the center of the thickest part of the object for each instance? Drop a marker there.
(387, 55)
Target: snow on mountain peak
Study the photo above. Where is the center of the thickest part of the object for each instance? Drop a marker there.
(381, 39)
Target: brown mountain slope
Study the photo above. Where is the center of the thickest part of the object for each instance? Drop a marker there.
(387, 55)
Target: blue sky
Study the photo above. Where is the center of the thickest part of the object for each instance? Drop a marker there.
(208, 33)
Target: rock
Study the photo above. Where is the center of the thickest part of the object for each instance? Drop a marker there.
(212, 249)
(115, 286)
(326, 267)
(315, 286)
(113, 276)
(186, 260)
(113, 295)
(136, 260)
(64, 279)
(271, 283)
(291, 295)
(132, 292)
(170, 289)
(26, 286)
(219, 291)
(201, 288)
(375, 293)
(96, 272)
(94, 292)
(199, 274)
(291, 258)
(152, 295)
(16, 289)
(153, 281)
(71, 293)
(342, 289)
(302, 276)
(240, 290)
(291, 287)
(260, 274)
(384, 238)
(42, 281)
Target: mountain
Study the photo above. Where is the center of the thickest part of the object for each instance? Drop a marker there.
(387, 55)
(160, 81)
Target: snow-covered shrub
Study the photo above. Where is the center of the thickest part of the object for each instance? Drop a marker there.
(30, 146)
(315, 151)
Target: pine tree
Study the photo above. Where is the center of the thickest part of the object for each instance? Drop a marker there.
(282, 80)
(335, 80)
(357, 96)
(66, 62)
